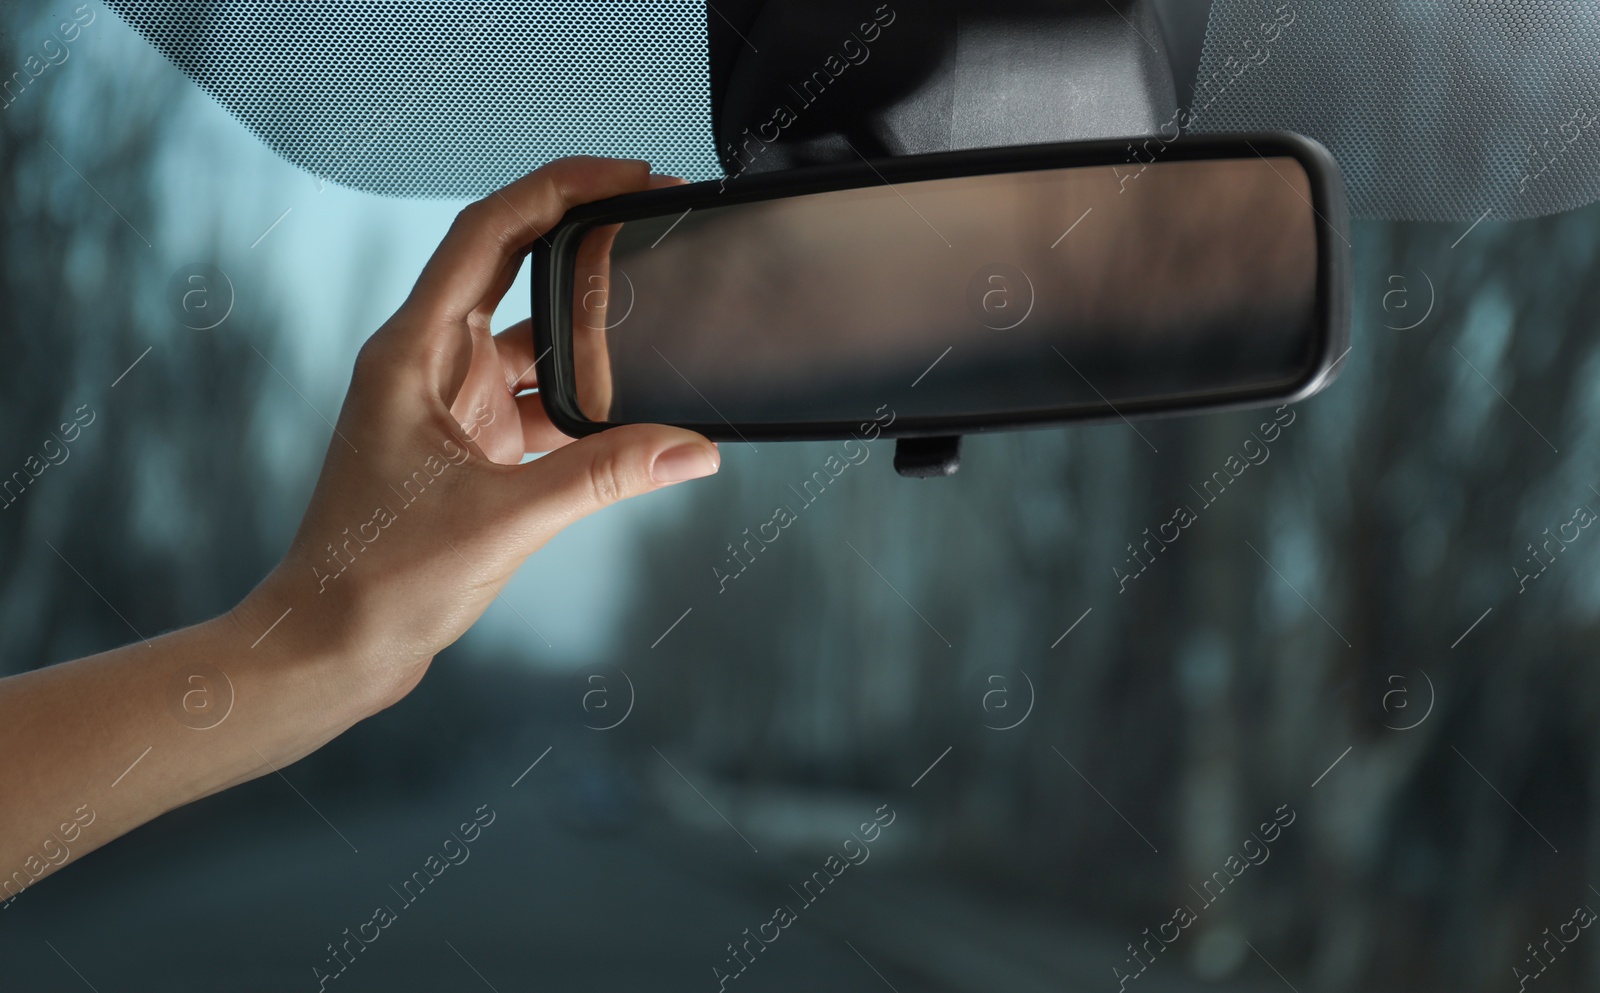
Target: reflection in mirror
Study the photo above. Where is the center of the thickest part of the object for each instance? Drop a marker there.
(980, 295)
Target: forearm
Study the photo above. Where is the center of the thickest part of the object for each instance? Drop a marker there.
(92, 748)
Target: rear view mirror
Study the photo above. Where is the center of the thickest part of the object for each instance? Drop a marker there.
(957, 292)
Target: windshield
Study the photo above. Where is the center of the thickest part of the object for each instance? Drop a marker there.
(1301, 696)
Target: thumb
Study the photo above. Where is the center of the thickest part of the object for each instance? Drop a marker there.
(580, 478)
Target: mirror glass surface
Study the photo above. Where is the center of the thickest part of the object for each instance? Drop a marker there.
(980, 295)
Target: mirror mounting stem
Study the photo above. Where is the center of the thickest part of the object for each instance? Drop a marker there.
(927, 458)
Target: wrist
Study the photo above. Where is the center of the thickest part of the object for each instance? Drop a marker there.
(347, 673)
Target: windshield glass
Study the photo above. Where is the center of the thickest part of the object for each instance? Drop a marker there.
(1301, 696)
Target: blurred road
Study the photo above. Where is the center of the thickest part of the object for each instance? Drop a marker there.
(619, 898)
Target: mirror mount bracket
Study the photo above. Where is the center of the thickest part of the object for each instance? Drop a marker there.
(927, 458)
(798, 83)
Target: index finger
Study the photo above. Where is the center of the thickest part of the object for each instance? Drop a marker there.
(490, 234)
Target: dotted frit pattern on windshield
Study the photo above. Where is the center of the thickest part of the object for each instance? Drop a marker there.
(1445, 110)
(1437, 110)
(448, 99)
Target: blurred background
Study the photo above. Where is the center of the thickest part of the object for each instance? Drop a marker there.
(1059, 758)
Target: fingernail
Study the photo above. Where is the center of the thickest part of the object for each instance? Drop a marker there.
(685, 462)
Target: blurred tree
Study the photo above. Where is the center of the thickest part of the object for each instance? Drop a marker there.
(152, 518)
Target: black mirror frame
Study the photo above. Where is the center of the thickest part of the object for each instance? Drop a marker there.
(553, 261)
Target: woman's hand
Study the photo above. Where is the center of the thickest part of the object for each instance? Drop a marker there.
(422, 511)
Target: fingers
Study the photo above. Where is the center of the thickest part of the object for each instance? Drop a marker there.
(538, 434)
(594, 472)
(514, 348)
(489, 235)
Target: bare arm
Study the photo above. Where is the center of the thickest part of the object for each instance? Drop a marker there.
(419, 517)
